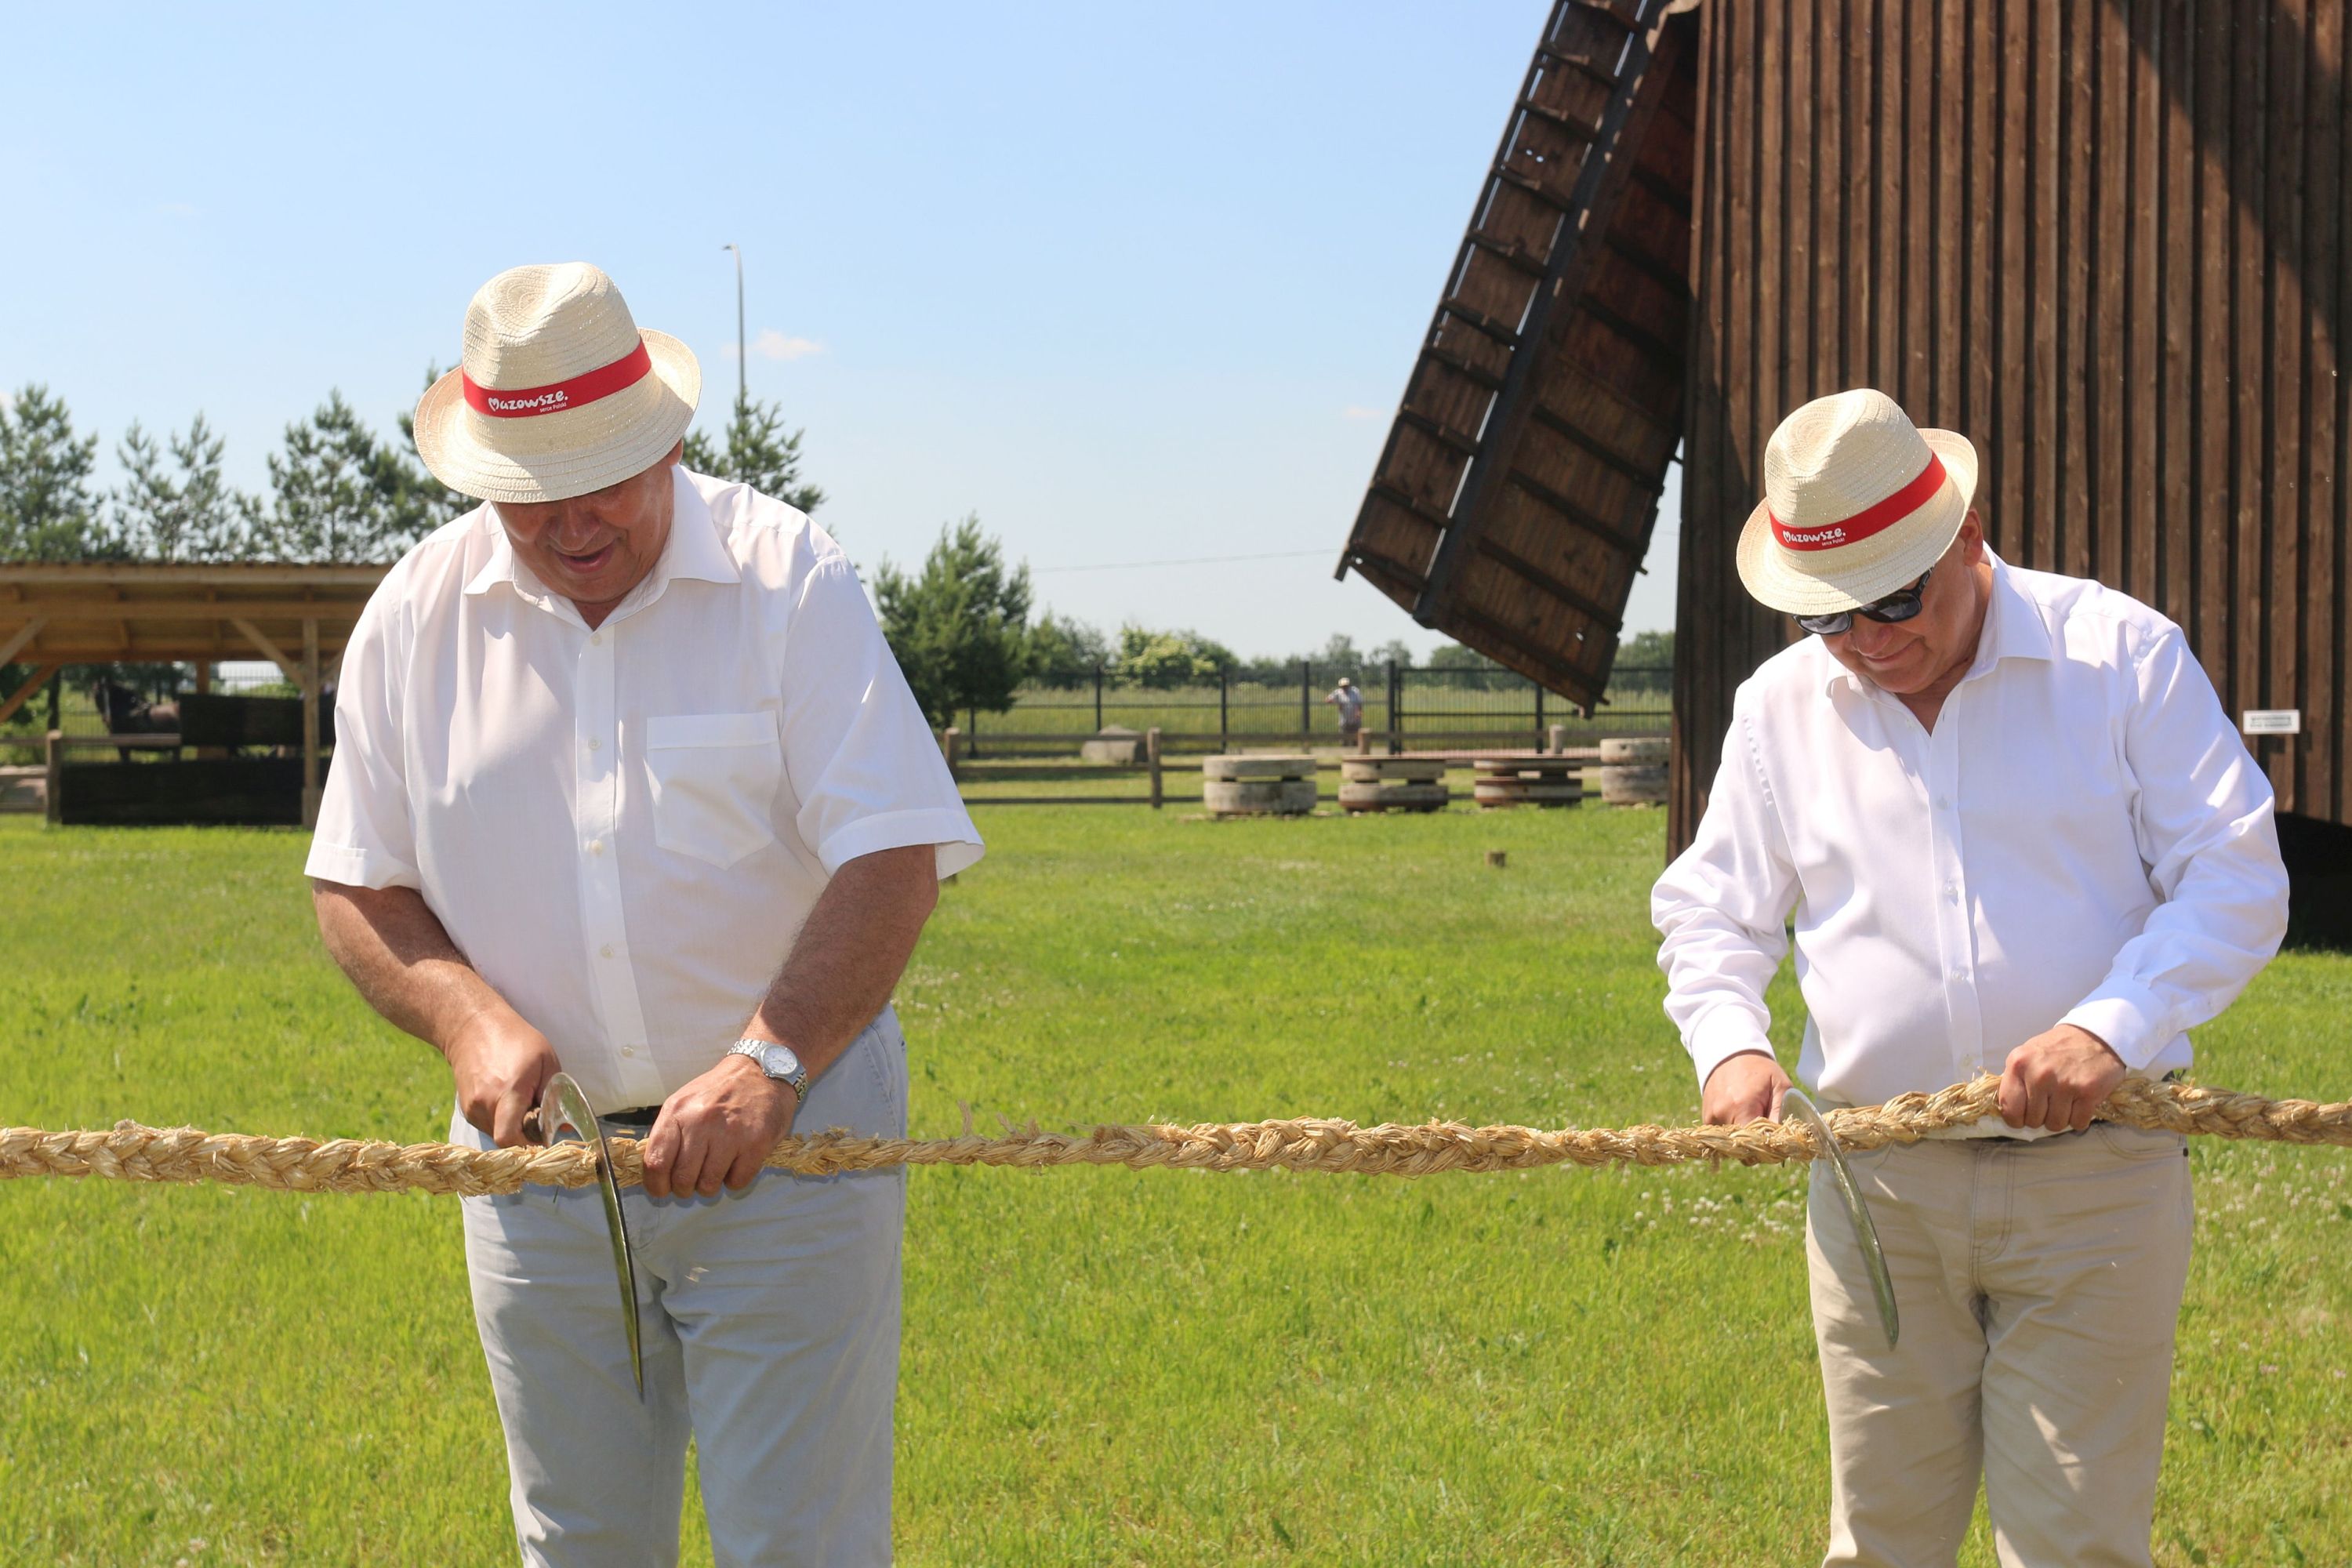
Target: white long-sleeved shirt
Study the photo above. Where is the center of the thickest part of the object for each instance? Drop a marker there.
(2082, 838)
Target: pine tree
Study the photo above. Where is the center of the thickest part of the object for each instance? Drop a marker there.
(192, 514)
(48, 511)
(961, 629)
(339, 494)
(758, 453)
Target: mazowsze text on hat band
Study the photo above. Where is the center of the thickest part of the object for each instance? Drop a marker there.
(525, 402)
(1875, 518)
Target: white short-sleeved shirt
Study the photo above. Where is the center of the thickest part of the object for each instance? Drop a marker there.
(624, 828)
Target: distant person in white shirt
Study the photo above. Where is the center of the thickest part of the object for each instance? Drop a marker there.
(1350, 704)
(628, 785)
(2015, 834)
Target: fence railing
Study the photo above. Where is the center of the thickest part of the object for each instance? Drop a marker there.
(1410, 705)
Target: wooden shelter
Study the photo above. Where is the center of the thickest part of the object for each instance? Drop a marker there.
(2105, 239)
(298, 618)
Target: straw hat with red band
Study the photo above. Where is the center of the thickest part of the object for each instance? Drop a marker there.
(557, 394)
(1858, 502)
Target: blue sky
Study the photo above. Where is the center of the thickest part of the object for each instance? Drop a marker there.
(1135, 283)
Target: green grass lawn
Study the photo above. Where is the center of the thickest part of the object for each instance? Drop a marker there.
(1101, 1366)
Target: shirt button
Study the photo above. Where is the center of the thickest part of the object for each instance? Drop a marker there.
(595, 846)
(1943, 802)
(606, 950)
(595, 639)
(594, 744)
(629, 1051)
(1952, 891)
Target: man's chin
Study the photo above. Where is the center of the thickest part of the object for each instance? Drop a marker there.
(1897, 677)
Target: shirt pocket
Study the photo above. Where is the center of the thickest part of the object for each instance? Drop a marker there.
(715, 777)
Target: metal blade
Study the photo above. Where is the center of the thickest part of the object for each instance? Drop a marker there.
(563, 1112)
(1865, 1235)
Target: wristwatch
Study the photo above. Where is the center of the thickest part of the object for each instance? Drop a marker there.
(777, 1061)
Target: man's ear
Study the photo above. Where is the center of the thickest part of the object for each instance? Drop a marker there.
(1972, 536)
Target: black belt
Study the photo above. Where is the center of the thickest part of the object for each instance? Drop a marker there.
(639, 1115)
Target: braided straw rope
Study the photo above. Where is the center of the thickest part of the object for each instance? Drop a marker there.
(136, 1153)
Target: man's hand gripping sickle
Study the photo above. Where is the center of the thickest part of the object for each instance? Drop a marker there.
(718, 1129)
(501, 1066)
(1742, 1088)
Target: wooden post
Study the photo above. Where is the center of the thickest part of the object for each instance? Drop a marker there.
(950, 741)
(1307, 701)
(53, 754)
(1364, 742)
(310, 790)
(1396, 709)
(1559, 740)
(1152, 757)
(1098, 683)
(204, 688)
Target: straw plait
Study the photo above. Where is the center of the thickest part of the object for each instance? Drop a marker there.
(136, 1153)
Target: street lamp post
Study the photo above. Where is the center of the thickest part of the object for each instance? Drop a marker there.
(742, 360)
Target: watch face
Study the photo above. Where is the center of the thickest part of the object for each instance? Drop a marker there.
(778, 1061)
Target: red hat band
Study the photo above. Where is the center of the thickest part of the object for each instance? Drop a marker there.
(558, 397)
(1877, 518)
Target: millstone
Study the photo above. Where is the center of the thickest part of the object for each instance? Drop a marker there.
(1403, 770)
(1633, 785)
(1233, 768)
(1258, 796)
(1641, 751)
(1356, 795)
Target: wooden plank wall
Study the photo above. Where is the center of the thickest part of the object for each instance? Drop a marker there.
(2105, 239)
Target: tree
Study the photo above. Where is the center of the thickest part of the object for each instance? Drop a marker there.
(1466, 670)
(339, 494)
(193, 514)
(1646, 662)
(758, 453)
(1161, 660)
(1066, 653)
(48, 511)
(961, 629)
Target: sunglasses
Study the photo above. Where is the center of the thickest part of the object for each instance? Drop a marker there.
(1900, 606)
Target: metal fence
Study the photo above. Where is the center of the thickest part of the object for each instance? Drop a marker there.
(1408, 706)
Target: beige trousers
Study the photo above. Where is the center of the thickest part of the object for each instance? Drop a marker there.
(2038, 1284)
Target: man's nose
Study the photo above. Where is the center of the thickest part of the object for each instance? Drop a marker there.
(1871, 638)
(573, 530)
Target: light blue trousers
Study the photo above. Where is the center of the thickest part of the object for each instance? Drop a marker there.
(771, 1336)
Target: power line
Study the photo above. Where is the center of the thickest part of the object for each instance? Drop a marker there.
(1188, 561)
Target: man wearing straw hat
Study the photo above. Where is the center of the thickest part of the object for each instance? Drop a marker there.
(626, 783)
(2015, 834)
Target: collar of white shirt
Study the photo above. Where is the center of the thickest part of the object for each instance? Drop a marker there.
(694, 550)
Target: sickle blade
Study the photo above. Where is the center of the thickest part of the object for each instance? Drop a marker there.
(1865, 1234)
(563, 1110)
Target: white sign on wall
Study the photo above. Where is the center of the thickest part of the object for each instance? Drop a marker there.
(2271, 721)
